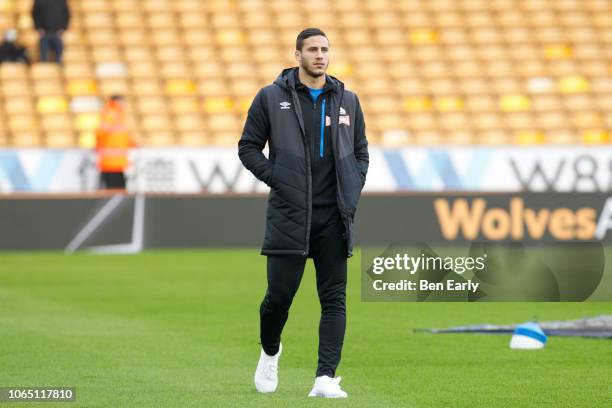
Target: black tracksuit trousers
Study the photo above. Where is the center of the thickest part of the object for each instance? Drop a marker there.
(328, 250)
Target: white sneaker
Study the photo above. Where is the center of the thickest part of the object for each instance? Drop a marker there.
(327, 387)
(266, 375)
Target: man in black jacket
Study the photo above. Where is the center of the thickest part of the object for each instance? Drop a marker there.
(11, 51)
(51, 19)
(316, 169)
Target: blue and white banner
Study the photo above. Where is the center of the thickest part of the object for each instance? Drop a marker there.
(218, 170)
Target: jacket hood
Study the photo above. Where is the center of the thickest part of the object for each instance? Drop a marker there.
(286, 79)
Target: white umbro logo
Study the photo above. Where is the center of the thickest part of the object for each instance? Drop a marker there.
(285, 105)
(342, 111)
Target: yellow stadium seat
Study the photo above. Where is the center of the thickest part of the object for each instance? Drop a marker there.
(558, 51)
(218, 105)
(242, 104)
(180, 87)
(82, 87)
(52, 104)
(423, 36)
(596, 136)
(573, 84)
(340, 69)
(417, 104)
(87, 122)
(529, 137)
(87, 139)
(449, 103)
(514, 103)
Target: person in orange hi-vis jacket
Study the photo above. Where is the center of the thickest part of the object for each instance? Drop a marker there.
(113, 141)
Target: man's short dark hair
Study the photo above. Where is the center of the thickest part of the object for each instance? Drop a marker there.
(307, 33)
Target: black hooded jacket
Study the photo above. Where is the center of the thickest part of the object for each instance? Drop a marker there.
(276, 117)
(51, 15)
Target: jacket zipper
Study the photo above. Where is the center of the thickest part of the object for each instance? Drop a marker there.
(322, 143)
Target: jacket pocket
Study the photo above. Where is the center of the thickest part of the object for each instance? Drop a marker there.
(357, 171)
(272, 179)
(348, 235)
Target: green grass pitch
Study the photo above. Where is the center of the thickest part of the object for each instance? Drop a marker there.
(180, 329)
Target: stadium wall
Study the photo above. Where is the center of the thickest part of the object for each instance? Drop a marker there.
(131, 223)
(218, 170)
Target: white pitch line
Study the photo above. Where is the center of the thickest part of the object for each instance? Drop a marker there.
(94, 223)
